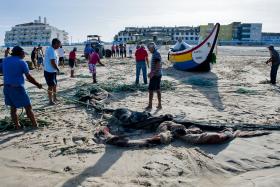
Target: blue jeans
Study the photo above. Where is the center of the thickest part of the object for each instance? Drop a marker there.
(141, 65)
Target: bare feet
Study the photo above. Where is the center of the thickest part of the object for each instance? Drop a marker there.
(159, 107)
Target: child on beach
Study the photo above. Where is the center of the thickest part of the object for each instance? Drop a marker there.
(94, 59)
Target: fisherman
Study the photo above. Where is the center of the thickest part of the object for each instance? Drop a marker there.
(141, 57)
(113, 48)
(94, 59)
(180, 45)
(88, 50)
(72, 61)
(61, 53)
(7, 52)
(40, 55)
(155, 76)
(275, 61)
(51, 70)
(34, 57)
(15, 94)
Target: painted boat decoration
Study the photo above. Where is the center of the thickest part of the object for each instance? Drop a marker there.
(197, 58)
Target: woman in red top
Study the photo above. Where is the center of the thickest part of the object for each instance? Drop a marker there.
(72, 61)
(94, 59)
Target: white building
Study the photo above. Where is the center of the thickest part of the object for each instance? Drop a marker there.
(159, 34)
(34, 33)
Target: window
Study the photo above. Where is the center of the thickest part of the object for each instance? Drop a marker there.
(187, 38)
(191, 38)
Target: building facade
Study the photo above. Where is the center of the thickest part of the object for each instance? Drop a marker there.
(168, 35)
(250, 32)
(33, 34)
(271, 38)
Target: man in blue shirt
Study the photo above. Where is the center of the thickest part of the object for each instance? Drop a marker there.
(14, 68)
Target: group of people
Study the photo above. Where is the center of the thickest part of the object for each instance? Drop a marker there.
(14, 68)
(37, 57)
(119, 50)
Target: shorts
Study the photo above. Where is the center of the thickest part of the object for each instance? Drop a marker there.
(61, 59)
(92, 68)
(71, 63)
(50, 78)
(16, 96)
(154, 83)
(40, 60)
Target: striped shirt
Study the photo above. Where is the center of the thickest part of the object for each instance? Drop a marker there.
(156, 60)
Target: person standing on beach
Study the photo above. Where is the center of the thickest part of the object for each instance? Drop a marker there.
(34, 57)
(155, 76)
(124, 50)
(87, 51)
(121, 50)
(130, 51)
(51, 70)
(94, 59)
(72, 61)
(7, 52)
(113, 51)
(141, 57)
(275, 62)
(40, 55)
(61, 54)
(14, 68)
(117, 51)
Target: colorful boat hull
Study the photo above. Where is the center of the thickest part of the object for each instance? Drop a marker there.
(197, 58)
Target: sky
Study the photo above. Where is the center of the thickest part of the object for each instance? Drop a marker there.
(107, 17)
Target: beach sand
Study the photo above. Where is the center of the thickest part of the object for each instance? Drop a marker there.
(56, 156)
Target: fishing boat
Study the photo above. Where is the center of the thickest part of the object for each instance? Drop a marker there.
(198, 58)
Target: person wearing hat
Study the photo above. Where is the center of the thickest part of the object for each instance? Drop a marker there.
(275, 61)
(14, 67)
(72, 61)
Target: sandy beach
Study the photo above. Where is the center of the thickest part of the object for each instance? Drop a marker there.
(234, 92)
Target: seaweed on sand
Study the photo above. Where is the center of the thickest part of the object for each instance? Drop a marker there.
(198, 81)
(6, 123)
(246, 91)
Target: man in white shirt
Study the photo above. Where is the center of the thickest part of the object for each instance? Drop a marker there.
(51, 70)
(61, 53)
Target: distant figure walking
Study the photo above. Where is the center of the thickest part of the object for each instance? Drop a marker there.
(34, 57)
(14, 68)
(141, 57)
(113, 48)
(275, 61)
(61, 54)
(7, 52)
(72, 61)
(51, 70)
(40, 55)
(94, 59)
(155, 76)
